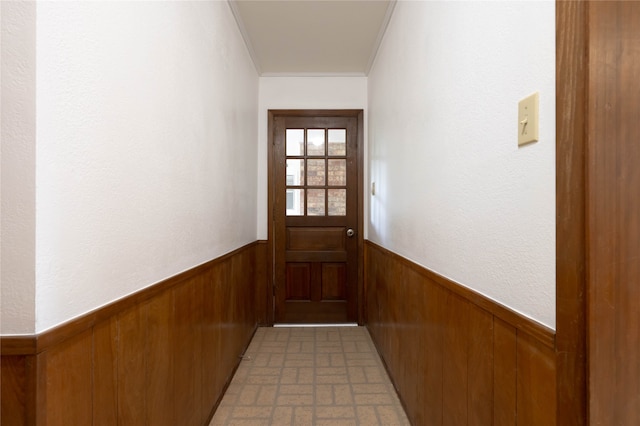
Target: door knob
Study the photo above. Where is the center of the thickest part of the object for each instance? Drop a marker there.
(350, 232)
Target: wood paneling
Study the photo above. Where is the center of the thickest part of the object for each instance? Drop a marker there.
(188, 354)
(480, 367)
(504, 373)
(453, 360)
(433, 337)
(161, 335)
(132, 333)
(160, 357)
(105, 373)
(68, 379)
(536, 382)
(454, 366)
(17, 387)
(213, 371)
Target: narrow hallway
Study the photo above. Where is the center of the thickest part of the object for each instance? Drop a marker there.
(310, 376)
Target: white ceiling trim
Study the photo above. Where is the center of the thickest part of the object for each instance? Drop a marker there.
(245, 35)
(383, 30)
(313, 74)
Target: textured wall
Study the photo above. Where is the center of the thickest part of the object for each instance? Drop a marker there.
(18, 180)
(300, 93)
(454, 192)
(146, 147)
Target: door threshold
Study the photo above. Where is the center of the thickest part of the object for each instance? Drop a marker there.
(339, 324)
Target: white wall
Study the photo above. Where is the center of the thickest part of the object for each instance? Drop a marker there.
(146, 147)
(318, 92)
(454, 191)
(18, 168)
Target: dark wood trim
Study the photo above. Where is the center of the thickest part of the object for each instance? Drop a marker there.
(270, 194)
(18, 345)
(540, 332)
(31, 345)
(316, 112)
(270, 218)
(361, 194)
(571, 109)
(263, 290)
(612, 197)
(597, 347)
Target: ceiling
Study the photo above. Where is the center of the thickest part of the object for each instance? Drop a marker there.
(302, 37)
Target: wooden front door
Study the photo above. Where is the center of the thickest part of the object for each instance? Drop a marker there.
(315, 217)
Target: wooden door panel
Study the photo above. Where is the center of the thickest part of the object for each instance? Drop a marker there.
(315, 200)
(316, 256)
(310, 239)
(327, 312)
(334, 281)
(298, 281)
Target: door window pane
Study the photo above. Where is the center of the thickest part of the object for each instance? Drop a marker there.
(295, 172)
(315, 173)
(295, 202)
(315, 142)
(315, 202)
(337, 172)
(295, 141)
(337, 141)
(337, 202)
(307, 178)
(289, 199)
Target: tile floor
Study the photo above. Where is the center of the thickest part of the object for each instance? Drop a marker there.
(310, 376)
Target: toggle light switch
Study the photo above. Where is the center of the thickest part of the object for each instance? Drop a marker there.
(528, 119)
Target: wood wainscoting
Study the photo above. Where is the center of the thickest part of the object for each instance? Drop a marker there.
(162, 356)
(455, 356)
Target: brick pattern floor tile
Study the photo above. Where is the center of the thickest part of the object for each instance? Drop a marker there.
(310, 376)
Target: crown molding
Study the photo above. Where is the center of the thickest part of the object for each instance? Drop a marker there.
(245, 36)
(381, 33)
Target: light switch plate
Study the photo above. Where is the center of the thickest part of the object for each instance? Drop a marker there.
(528, 119)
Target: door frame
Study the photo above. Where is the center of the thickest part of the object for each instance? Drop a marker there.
(572, 228)
(272, 114)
